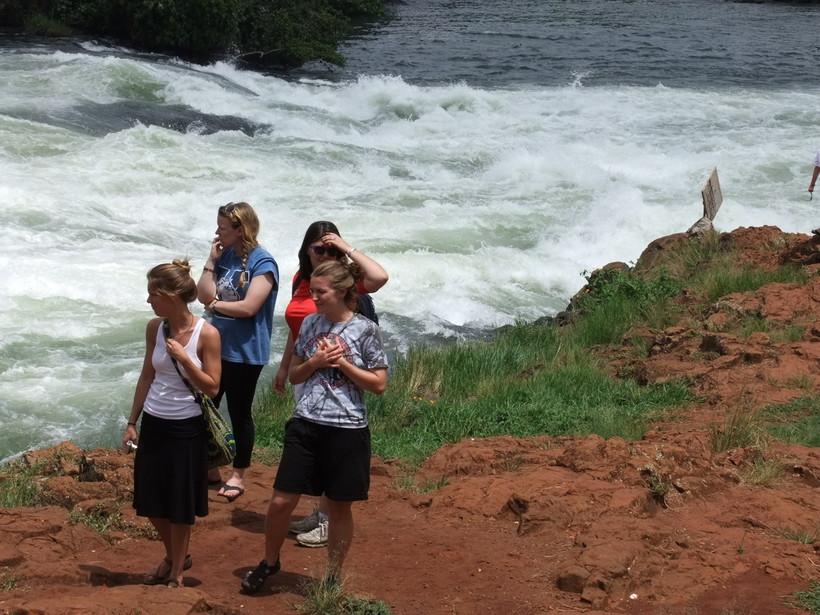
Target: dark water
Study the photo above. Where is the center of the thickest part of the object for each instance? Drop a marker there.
(691, 43)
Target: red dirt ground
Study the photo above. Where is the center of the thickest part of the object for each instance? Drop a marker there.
(663, 526)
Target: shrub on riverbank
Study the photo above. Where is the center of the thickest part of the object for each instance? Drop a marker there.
(284, 33)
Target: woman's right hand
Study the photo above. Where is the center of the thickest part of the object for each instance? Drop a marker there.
(129, 438)
(216, 249)
(279, 380)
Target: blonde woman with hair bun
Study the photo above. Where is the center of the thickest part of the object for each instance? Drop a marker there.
(171, 467)
(238, 286)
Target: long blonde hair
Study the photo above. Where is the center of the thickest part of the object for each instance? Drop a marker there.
(242, 215)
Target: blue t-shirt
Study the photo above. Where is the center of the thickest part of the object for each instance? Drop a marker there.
(245, 340)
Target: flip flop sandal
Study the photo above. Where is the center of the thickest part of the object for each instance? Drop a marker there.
(227, 487)
(161, 573)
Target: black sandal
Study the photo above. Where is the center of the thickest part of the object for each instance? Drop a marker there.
(161, 573)
(255, 579)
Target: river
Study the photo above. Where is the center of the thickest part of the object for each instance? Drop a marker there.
(487, 154)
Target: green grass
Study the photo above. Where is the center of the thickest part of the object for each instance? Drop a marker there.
(19, 486)
(543, 379)
(322, 598)
(105, 517)
(725, 278)
(764, 473)
(806, 537)
(532, 380)
(7, 580)
(797, 422)
(740, 429)
(809, 599)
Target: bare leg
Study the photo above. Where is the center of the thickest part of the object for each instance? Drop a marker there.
(339, 535)
(163, 528)
(180, 538)
(277, 522)
(160, 573)
(324, 506)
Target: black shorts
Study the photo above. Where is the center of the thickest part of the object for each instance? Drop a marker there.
(321, 459)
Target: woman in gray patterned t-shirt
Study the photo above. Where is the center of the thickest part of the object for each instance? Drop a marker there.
(338, 355)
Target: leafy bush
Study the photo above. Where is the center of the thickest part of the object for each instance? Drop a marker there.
(614, 300)
(270, 32)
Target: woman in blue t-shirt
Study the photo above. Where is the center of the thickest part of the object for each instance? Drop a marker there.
(238, 285)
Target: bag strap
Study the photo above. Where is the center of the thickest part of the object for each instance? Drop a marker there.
(166, 329)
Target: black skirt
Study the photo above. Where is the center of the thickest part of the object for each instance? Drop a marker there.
(171, 469)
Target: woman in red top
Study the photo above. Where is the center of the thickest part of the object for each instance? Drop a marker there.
(322, 243)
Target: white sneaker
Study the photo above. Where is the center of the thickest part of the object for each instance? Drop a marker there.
(307, 524)
(316, 537)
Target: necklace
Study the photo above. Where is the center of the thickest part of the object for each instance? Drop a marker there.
(184, 333)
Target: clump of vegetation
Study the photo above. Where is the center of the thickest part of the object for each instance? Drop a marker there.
(329, 598)
(795, 422)
(7, 580)
(808, 599)
(20, 482)
(806, 537)
(615, 300)
(19, 486)
(764, 473)
(739, 430)
(285, 33)
(106, 518)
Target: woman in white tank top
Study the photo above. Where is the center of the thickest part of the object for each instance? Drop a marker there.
(170, 468)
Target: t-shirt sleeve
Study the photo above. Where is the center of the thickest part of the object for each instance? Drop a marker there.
(263, 263)
(374, 356)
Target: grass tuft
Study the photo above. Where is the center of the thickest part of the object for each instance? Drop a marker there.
(105, 517)
(809, 599)
(739, 430)
(764, 473)
(324, 598)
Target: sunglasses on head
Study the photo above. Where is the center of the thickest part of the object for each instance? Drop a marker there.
(322, 250)
(227, 209)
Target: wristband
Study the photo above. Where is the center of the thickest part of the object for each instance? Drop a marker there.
(133, 424)
(207, 269)
(350, 251)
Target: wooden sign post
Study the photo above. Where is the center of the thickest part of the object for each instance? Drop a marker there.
(712, 196)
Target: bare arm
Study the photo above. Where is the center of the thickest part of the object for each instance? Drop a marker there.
(261, 286)
(284, 365)
(209, 349)
(374, 274)
(143, 383)
(331, 355)
(814, 178)
(206, 286)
